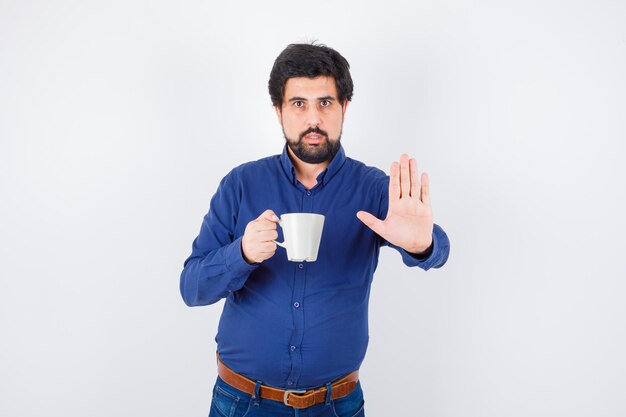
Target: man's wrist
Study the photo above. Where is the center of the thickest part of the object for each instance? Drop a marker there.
(243, 255)
(424, 253)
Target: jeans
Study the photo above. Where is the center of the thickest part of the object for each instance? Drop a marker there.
(230, 402)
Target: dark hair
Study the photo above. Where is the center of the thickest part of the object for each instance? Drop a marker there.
(309, 60)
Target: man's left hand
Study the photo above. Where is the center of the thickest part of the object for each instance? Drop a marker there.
(409, 221)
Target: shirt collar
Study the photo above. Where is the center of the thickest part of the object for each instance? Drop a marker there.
(325, 176)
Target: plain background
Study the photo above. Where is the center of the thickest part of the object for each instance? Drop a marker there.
(119, 118)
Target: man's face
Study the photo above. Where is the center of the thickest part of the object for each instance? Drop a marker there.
(312, 118)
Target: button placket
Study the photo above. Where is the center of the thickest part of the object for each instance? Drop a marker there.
(299, 284)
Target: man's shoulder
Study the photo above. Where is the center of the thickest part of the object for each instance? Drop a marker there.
(366, 172)
(253, 169)
(263, 163)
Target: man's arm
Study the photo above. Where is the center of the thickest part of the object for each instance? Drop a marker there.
(408, 225)
(216, 266)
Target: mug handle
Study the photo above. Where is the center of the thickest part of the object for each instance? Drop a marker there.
(281, 244)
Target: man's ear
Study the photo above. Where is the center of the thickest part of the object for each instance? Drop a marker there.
(345, 107)
(278, 114)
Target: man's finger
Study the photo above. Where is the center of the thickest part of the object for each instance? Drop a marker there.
(405, 178)
(372, 222)
(415, 183)
(267, 247)
(425, 189)
(262, 225)
(267, 235)
(394, 182)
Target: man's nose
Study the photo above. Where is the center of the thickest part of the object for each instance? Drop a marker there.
(313, 116)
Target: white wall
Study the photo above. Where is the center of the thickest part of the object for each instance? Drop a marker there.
(118, 119)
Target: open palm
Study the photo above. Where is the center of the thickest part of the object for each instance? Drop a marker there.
(409, 221)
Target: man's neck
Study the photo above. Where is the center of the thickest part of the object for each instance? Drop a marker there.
(306, 173)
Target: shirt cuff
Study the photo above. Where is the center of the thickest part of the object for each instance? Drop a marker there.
(411, 259)
(425, 262)
(235, 262)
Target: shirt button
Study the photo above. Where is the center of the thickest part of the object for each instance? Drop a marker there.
(289, 382)
(296, 304)
(292, 348)
(308, 193)
(300, 266)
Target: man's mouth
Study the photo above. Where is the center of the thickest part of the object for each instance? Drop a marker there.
(314, 138)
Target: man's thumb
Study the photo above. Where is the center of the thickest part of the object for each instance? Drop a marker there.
(371, 221)
(268, 215)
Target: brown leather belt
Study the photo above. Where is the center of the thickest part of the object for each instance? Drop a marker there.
(292, 398)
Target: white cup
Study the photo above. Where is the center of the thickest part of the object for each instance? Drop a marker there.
(302, 233)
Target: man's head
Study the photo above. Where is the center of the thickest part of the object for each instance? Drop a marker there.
(310, 86)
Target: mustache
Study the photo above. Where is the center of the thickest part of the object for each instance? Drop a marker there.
(313, 130)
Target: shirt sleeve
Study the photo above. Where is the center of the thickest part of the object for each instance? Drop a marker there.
(216, 266)
(440, 247)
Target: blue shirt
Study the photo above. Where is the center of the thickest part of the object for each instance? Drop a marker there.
(294, 325)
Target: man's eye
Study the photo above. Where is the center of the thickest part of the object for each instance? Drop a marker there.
(325, 103)
(298, 103)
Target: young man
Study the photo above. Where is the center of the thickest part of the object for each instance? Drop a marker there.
(292, 335)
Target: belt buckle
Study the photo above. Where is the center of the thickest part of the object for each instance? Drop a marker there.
(291, 391)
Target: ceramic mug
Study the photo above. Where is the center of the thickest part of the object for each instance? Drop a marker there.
(302, 233)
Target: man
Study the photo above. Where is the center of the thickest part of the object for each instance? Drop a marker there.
(293, 334)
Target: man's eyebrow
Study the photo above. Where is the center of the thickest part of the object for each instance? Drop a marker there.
(319, 98)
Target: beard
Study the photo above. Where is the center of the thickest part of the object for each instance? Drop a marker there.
(314, 154)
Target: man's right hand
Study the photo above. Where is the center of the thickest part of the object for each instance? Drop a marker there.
(257, 244)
